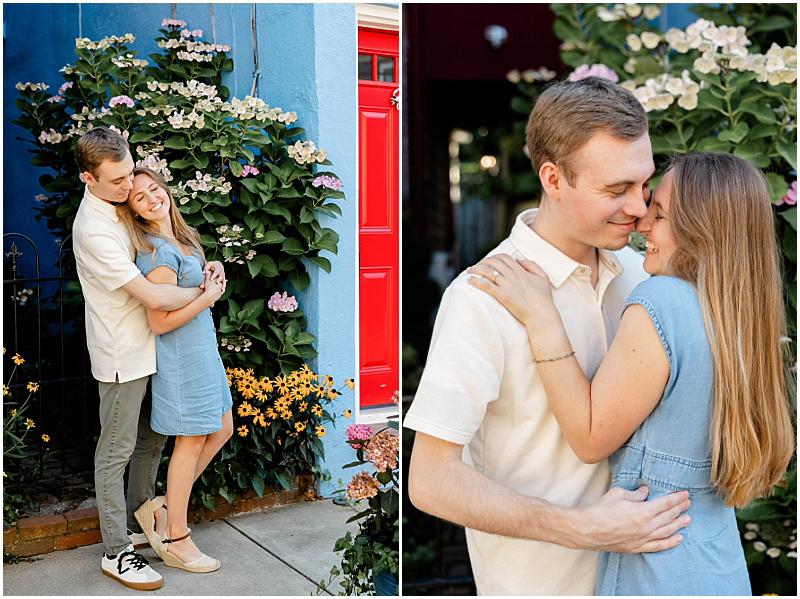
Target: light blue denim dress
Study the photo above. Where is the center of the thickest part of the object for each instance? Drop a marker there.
(671, 451)
(190, 389)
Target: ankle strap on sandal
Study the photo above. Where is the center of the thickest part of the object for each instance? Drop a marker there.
(186, 536)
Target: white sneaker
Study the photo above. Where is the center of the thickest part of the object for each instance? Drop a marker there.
(139, 539)
(132, 570)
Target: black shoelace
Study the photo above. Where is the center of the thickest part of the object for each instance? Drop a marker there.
(135, 560)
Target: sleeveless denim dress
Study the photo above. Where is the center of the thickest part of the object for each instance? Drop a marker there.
(671, 451)
(190, 389)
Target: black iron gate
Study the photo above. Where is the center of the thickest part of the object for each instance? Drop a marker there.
(43, 320)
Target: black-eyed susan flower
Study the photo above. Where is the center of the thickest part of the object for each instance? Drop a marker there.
(33, 387)
(320, 430)
(6, 390)
(317, 410)
(351, 384)
(260, 419)
(46, 438)
(302, 407)
(13, 412)
(347, 413)
(244, 409)
(328, 380)
(242, 430)
(300, 426)
(18, 360)
(333, 394)
(29, 424)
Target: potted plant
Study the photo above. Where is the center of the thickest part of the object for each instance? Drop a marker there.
(370, 558)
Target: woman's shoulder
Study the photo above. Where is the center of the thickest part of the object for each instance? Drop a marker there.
(662, 288)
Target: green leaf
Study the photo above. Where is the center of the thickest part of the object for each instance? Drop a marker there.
(763, 113)
(736, 134)
(285, 481)
(789, 152)
(790, 216)
(215, 218)
(777, 186)
(772, 23)
(258, 484)
(287, 192)
(176, 142)
(236, 169)
(713, 144)
(752, 152)
(304, 338)
(299, 279)
(323, 263)
(228, 495)
(707, 100)
(273, 237)
(293, 246)
(390, 502)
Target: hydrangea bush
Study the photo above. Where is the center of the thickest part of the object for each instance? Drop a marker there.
(236, 167)
(374, 548)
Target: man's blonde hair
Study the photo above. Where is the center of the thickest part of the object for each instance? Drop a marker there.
(98, 145)
(568, 113)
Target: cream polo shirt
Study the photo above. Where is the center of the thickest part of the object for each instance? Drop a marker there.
(117, 332)
(481, 389)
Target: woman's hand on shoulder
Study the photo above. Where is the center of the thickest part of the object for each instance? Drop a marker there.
(520, 286)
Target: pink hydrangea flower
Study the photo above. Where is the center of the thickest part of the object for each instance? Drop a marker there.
(249, 170)
(282, 303)
(117, 100)
(175, 23)
(195, 33)
(790, 199)
(362, 486)
(596, 70)
(325, 181)
(64, 88)
(358, 432)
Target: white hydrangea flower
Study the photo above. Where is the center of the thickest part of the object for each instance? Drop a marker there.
(650, 39)
(651, 12)
(705, 65)
(634, 42)
(633, 10)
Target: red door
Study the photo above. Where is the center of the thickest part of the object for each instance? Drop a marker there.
(379, 216)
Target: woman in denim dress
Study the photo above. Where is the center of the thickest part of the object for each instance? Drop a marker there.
(692, 393)
(191, 398)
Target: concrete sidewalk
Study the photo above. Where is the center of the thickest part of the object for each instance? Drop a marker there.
(284, 550)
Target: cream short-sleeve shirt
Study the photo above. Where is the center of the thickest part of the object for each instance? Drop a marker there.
(481, 389)
(120, 341)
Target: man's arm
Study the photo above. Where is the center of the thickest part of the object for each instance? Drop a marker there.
(441, 484)
(161, 297)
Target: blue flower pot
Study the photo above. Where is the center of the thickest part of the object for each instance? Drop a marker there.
(385, 584)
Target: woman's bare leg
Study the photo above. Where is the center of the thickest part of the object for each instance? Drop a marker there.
(213, 444)
(180, 478)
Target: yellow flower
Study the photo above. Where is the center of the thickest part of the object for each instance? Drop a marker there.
(317, 410)
(33, 387)
(265, 384)
(350, 384)
(242, 430)
(245, 409)
(321, 391)
(286, 414)
(29, 424)
(14, 412)
(6, 391)
(300, 426)
(347, 413)
(260, 395)
(328, 380)
(46, 438)
(320, 431)
(18, 360)
(271, 413)
(258, 418)
(4, 353)
(4, 472)
(333, 394)
(302, 407)
(281, 384)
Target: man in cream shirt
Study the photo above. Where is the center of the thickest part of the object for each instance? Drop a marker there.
(488, 453)
(122, 350)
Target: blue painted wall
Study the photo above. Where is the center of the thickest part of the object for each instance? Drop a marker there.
(307, 62)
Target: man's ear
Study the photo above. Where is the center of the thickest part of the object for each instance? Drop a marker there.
(88, 178)
(552, 180)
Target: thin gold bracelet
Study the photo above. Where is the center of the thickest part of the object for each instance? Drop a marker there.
(569, 355)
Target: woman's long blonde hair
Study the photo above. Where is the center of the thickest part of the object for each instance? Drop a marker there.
(139, 229)
(724, 228)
